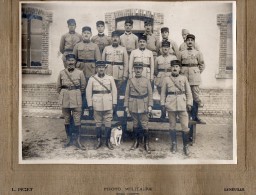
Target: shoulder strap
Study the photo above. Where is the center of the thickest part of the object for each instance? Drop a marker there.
(135, 88)
(69, 77)
(101, 84)
(175, 84)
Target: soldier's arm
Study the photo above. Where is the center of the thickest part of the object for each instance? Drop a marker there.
(163, 93)
(131, 64)
(175, 48)
(136, 42)
(82, 82)
(97, 53)
(109, 41)
(62, 44)
(75, 51)
(151, 66)
(127, 93)
(150, 94)
(126, 65)
(104, 54)
(113, 90)
(158, 45)
(156, 67)
(188, 92)
(93, 39)
(201, 62)
(89, 92)
(58, 84)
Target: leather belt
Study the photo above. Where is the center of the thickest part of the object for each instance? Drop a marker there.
(190, 65)
(176, 93)
(164, 70)
(115, 63)
(71, 50)
(84, 60)
(101, 92)
(70, 87)
(139, 96)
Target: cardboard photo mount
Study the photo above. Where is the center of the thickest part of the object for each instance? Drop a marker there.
(142, 179)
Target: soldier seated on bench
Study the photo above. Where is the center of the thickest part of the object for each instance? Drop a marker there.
(176, 99)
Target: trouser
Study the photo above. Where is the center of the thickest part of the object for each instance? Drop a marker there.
(103, 117)
(195, 93)
(69, 112)
(183, 116)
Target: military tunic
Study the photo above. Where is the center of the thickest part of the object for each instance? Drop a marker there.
(129, 41)
(87, 53)
(102, 100)
(70, 97)
(163, 68)
(174, 50)
(102, 41)
(153, 44)
(138, 97)
(184, 46)
(146, 57)
(175, 96)
(67, 43)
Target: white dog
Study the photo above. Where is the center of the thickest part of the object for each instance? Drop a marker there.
(116, 135)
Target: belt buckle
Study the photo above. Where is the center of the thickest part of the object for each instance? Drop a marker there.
(69, 87)
(176, 93)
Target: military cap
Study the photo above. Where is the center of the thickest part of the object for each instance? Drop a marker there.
(115, 33)
(190, 36)
(71, 21)
(166, 44)
(164, 29)
(175, 62)
(143, 37)
(129, 20)
(100, 22)
(137, 64)
(185, 31)
(148, 22)
(100, 63)
(86, 28)
(70, 55)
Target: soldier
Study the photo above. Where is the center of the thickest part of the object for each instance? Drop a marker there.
(128, 39)
(101, 39)
(174, 50)
(143, 56)
(192, 67)
(69, 40)
(101, 95)
(176, 98)
(86, 54)
(184, 46)
(70, 85)
(138, 102)
(153, 43)
(117, 63)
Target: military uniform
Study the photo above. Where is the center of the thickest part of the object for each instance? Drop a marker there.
(102, 101)
(153, 44)
(129, 41)
(68, 41)
(192, 67)
(70, 98)
(144, 56)
(138, 97)
(175, 97)
(102, 41)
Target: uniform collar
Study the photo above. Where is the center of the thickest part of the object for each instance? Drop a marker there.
(142, 49)
(148, 33)
(72, 32)
(115, 45)
(87, 41)
(138, 76)
(101, 34)
(190, 48)
(128, 33)
(175, 75)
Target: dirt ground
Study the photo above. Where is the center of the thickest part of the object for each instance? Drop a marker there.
(43, 139)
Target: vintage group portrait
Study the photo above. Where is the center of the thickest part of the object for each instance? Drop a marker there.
(123, 82)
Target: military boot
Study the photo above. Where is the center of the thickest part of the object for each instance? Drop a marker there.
(108, 143)
(69, 136)
(136, 139)
(146, 141)
(78, 137)
(185, 136)
(99, 139)
(174, 141)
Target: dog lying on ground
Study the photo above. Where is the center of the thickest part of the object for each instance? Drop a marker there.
(116, 134)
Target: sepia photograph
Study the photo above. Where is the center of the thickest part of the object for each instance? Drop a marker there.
(123, 82)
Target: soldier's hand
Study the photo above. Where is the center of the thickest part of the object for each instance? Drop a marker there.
(126, 110)
(149, 109)
(114, 107)
(124, 78)
(189, 108)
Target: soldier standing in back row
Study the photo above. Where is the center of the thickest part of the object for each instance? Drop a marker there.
(174, 50)
(176, 98)
(69, 40)
(101, 39)
(71, 86)
(192, 66)
(101, 94)
(116, 58)
(138, 102)
(87, 53)
(184, 46)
